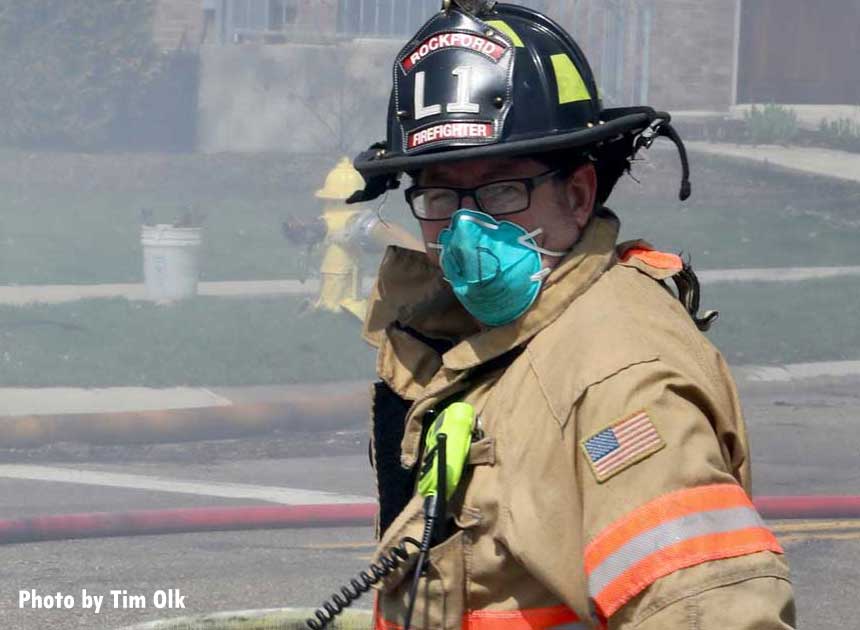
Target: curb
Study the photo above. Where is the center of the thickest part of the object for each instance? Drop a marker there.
(796, 371)
(838, 165)
(265, 619)
(777, 275)
(311, 409)
(28, 295)
(310, 412)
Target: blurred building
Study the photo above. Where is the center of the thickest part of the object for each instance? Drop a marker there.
(680, 55)
(178, 23)
(796, 51)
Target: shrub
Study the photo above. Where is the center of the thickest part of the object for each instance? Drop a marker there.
(842, 133)
(85, 75)
(772, 124)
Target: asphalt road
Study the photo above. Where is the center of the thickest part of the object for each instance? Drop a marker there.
(804, 436)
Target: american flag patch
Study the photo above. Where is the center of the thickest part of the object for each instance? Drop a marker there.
(621, 445)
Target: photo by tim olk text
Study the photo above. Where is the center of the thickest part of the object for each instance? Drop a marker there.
(116, 599)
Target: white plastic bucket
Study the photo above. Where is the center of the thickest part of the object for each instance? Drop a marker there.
(170, 261)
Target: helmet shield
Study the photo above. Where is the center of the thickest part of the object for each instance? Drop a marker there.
(453, 85)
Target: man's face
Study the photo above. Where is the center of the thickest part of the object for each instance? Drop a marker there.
(562, 207)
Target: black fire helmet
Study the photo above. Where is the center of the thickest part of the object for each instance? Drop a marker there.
(483, 80)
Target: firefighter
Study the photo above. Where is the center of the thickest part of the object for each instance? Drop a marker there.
(346, 234)
(608, 482)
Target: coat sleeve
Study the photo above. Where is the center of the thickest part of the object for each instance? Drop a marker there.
(670, 536)
(745, 603)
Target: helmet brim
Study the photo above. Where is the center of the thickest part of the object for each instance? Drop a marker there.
(615, 122)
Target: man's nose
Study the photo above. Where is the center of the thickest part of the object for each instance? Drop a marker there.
(469, 203)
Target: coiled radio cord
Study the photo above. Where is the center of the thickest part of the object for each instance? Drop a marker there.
(362, 584)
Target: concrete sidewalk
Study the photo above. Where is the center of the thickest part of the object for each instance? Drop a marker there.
(808, 160)
(808, 116)
(19, 402)
(25, 295)
(23, 401)
(20, 295)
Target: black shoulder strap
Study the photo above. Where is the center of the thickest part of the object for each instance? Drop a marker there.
(395, 484)
(689, 294)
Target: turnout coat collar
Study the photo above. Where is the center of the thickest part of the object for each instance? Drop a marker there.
(413, 313)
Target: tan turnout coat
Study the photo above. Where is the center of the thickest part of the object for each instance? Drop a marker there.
(562, 521)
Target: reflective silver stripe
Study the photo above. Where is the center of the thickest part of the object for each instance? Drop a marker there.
(666, 535)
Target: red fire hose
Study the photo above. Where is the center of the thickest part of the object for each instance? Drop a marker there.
(810, 507)
(175, 521)
(152, 522)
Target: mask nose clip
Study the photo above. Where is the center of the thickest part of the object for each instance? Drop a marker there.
(481, 251)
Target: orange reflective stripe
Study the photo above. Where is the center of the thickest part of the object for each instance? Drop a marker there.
(666, 508)
(529, 619)
(681, 556)
(659, 260)
(675, 531)
(384, 624)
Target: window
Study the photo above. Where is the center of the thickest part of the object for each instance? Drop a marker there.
(260, 17)
(383, 18)
(282, 14)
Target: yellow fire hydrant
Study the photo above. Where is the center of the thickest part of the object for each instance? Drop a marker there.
(346, 232)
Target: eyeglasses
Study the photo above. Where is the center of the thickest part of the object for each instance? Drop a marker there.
(509, 196)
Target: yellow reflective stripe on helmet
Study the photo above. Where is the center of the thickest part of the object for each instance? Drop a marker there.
(571, 87)
(505, 28)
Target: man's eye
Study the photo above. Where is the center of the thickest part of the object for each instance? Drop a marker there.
(439, 197)
(501, 193)
(502, 189)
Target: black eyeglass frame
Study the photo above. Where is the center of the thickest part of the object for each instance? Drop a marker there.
(531, 183)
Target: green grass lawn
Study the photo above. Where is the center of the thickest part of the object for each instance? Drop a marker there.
(67, 218)
(764, 323)
(741, 215)
(205, 341)
(72, 219)
(211, 341)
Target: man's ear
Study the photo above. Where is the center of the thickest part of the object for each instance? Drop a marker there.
(581, 191)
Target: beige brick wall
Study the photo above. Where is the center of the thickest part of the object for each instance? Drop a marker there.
(692, 54)
(692, 44)
(177, 23)
(692, 48)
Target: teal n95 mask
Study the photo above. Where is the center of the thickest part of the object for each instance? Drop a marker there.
(494, 267)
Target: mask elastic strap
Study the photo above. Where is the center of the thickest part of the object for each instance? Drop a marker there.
(525, 238)
(540, 275)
